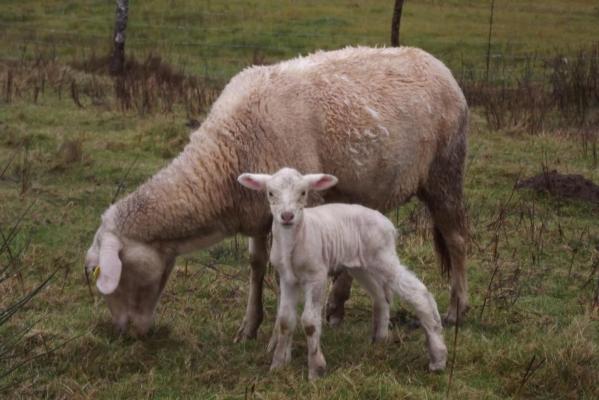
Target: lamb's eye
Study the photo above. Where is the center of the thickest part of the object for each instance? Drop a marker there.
(270, 194)
(304, 193)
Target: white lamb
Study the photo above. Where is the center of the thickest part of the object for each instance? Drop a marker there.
(309, 244)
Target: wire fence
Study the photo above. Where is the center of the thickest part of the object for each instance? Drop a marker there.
(216, 40)
(208, 45)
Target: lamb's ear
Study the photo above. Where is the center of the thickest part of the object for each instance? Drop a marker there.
(110, 264)
(320, 181)
(254, 181)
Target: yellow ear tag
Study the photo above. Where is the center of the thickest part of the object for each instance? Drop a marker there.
(96, 272)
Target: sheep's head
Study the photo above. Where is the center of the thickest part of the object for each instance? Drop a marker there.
(287, 191)
(130, 275)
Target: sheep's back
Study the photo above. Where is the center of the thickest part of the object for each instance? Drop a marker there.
(376, 118)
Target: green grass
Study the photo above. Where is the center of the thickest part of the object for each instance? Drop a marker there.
(539, 302)
(218, 38)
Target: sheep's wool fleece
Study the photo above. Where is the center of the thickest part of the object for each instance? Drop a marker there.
(376, 118)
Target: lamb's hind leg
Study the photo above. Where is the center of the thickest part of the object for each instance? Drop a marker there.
(381, 301)
(337, 297)
(254, 312)
(412, 291)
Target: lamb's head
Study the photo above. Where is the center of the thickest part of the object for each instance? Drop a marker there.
(129, 274)
(287, 191)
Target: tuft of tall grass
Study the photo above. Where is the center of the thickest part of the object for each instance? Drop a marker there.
(147, 86)
(538, 95)
(15, 297)
(153, 85)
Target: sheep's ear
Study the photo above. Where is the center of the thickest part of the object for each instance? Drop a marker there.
(254, 181)
(320, 181)
(110, 264)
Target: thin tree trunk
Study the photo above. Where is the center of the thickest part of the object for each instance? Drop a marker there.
(489, 39)
(395, 22)
(117, 63)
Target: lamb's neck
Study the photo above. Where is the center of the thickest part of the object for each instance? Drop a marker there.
(189, 199)
(285, 240)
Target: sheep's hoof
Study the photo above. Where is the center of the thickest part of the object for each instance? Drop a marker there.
(334, 321)
(450, 318)
(334, 315)
(243, 334)
(272, 343)
(380, 339)
(275, 366)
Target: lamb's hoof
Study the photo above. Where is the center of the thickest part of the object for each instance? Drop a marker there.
(437, 356)
(317, 372)
(317, 366)
(278, 363)
(437, 366)
(244, 333)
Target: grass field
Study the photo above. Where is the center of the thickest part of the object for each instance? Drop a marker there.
(532, 332)
(218, 38)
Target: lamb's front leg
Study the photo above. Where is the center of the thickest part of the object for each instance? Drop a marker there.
(312, 323)
(285, 324)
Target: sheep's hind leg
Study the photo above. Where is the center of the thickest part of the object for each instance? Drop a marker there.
(254, 312)
(450, 233)
(444, 197)
(337, 297)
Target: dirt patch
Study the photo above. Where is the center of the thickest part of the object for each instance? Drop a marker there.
(564, 186)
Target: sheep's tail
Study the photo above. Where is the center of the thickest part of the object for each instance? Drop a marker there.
(442, 250)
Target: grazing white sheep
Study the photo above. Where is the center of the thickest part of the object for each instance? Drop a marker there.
(389, 123)
(309, 244)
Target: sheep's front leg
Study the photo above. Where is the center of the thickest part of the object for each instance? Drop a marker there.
(254, 312)
(285, 324)
(337, 298)
(312, 324)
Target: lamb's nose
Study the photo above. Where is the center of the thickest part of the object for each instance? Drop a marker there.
(287, 216)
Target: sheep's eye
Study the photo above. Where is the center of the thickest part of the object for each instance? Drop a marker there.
(270, 194)
(304, 193)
